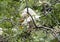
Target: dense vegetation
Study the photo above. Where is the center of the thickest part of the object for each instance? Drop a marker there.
(11, 29)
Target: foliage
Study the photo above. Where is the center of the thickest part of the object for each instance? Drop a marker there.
(10, 16)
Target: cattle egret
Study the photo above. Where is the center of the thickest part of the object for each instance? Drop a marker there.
(29, 19)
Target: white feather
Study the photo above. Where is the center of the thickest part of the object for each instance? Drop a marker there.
(31, 12)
